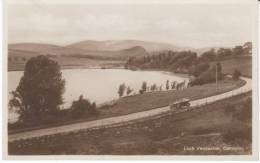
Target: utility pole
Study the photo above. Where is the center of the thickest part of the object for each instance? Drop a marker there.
(217, 76)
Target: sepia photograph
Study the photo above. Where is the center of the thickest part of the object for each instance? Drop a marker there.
(117, 78)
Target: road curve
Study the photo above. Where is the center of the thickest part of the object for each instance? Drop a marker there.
(124, 118)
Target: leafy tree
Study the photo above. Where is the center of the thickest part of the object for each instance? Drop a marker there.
(247, 48)
(208, 56)
(209, 75)
(82, 107)
(121, 90)
(129, 90)
(236, 74)
(199, 68)
(39, 91)
(141, 91)
(238, 50)
(153, 87)
(224, 52)
(144, 86)
(167, 85)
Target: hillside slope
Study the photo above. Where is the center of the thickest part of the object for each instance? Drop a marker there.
(112, 45)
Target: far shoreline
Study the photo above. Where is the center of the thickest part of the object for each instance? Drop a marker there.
(184, 75)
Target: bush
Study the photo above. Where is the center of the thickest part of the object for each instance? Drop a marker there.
(82, 108)
(209, 75)
(121, 90)
(200, 68)
(144, 86)
(129, 90)
(236, 74)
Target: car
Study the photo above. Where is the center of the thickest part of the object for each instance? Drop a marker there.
(180, 104)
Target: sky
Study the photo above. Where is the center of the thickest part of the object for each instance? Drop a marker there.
(194, 25)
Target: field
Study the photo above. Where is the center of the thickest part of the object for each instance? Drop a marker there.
(204, 130)
(152, 100)
(146, 101)
(242, 63)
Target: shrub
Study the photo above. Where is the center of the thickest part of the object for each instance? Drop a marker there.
(167, 86)
(144, 86)
(121, 90)
(129, 90)
(200, 68)
(141, 91)
(153, 87)
(209, 75)
(236, 74)
(83, 107)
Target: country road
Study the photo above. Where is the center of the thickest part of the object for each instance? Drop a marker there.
(125, 118)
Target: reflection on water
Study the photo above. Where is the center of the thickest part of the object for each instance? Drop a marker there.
(99, 85)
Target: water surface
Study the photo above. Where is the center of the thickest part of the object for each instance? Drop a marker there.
(99, 85)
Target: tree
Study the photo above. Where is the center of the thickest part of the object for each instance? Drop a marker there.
(209, 75)
(236, 74)
(39, 91)
(82, 107)
(121, 90)
(167, 85)
(153, 87)
(207, 56)
(224, 52)
(238, 50)
(129, 90)
(247, 48)
(144, 86)
(199, 68)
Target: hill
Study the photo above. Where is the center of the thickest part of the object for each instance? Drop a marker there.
(33, 47)
(112, 45)
(109, 48)
(88, 48)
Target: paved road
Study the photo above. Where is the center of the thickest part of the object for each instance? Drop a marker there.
(125, 118)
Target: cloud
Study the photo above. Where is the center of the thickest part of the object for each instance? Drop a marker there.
(185, 25)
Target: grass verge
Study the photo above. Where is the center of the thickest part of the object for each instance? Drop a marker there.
(202, 128)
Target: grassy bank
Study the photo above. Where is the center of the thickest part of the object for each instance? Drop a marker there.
(206, 126)
(142, 102)
(241, 63)
(152, 100)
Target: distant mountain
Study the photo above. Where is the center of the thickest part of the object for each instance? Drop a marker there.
(120, 49)
(112, 45)
(33, 47)
(28, 50)
(132, 52)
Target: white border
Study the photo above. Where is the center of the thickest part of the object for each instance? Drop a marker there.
(91, 157)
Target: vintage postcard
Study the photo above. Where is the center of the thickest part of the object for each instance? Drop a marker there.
(132, 79)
